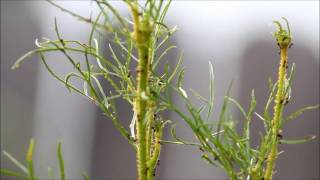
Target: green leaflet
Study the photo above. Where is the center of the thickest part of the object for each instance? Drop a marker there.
(10, 173)
(298, 141)
(298, 112)
(61, 161)
(16, 162)
(29, 158)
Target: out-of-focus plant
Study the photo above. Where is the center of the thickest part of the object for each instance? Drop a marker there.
(221, 144)
(28, 171)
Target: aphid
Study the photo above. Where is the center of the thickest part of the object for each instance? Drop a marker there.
(62, 42)
(285, 64)
(291, 44)
(286, 101)
(279, 135)
(281, 101)
(131, 138)
(129, 74)
(139, 70)
(154, 94)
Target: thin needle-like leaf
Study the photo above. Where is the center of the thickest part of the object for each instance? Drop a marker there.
(10, 173)
(211, 91)
(298, 141)
(16, 162)
(29, 159)
(223, 110)
(61, 161)
(298, 112)
(155, 63)
(174, 72)
(50, 173)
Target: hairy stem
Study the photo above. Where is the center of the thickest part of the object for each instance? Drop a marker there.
(152, 163)
(149, 131)
(278, 108)
(142, 34)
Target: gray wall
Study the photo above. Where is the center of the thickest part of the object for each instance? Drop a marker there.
(234, 36)
(18, 89)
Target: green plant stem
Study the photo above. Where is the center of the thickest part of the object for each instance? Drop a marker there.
(61, 162)
(142, 36)
(152, 163)
(149, 131)
(278, 108)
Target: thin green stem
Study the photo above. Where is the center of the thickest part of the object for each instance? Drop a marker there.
(142, 32)
(152, 162)
(278, 108)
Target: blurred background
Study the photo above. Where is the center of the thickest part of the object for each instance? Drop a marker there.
(235, 36)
